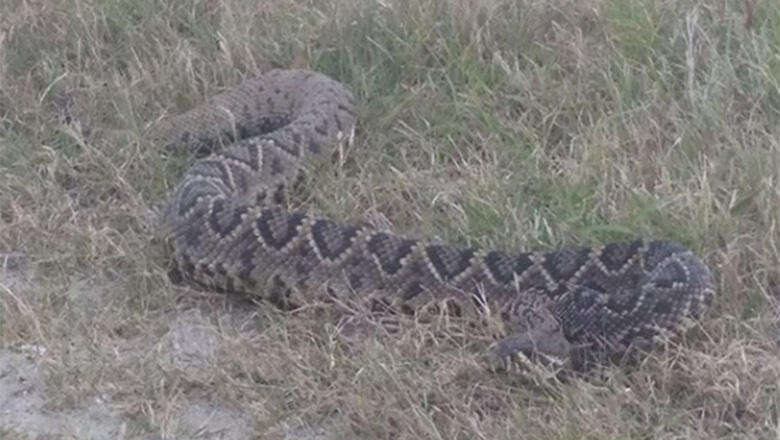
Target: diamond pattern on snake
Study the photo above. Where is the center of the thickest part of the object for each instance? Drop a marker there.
(228, 234)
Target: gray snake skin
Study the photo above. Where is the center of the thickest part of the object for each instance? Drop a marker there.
(228, 234)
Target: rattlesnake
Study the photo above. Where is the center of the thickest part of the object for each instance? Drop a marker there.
(229, 234)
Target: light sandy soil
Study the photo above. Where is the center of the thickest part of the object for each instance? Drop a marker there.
(28, 411)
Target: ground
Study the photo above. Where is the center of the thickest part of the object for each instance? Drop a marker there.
(498, 124)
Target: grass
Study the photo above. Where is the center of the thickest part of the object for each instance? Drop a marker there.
(509, 124)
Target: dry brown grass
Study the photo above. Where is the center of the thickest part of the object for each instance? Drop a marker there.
(514, 124)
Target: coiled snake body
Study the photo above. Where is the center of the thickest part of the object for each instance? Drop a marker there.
(227, 233)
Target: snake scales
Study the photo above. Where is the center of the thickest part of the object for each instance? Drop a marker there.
(229, 234)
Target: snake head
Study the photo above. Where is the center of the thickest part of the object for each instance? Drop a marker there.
(544, 344)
